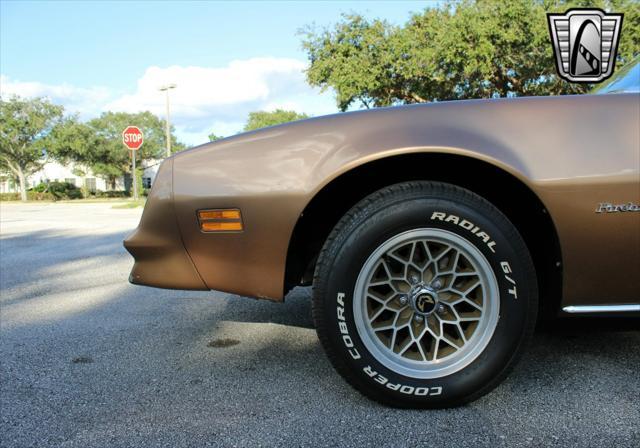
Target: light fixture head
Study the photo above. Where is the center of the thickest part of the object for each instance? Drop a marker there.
(167, 87)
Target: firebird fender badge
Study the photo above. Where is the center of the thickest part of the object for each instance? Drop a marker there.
(608, 207)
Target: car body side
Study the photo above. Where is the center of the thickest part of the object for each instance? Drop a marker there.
(571, 152)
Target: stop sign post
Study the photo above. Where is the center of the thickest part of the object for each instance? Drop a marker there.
(133, 138)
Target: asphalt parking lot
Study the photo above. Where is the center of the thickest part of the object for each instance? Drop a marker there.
(88, 360)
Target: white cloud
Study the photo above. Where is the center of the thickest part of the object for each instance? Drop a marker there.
(219, 99)
(86, 101)
(207, 99)
(200, 89)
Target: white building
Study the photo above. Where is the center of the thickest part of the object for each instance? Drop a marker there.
(79, 176)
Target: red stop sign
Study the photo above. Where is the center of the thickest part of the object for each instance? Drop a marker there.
(132, 138)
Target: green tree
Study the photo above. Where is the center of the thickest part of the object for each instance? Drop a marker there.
(24, 128)
(111, 159)
(467, 49)
(213, 137)
(72, 140)
(262, 119)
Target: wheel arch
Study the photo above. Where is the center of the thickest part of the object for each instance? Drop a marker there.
(336, 197)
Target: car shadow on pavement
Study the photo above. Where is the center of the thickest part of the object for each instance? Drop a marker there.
(35, 255)
(88, 359)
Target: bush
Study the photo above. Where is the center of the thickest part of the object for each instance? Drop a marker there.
(112, 194)
(40, 188)
(59, 190)
(31, 196)
(54, 191)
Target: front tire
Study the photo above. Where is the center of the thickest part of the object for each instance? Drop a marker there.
(424, 295)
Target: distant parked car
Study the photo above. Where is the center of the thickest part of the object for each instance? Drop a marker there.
(434, 235)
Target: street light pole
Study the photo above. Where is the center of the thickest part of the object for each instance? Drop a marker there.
(166, 89)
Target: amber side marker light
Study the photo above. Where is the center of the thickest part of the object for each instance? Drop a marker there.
(220, 220)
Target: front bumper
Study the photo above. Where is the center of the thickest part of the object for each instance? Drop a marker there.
(161, 259)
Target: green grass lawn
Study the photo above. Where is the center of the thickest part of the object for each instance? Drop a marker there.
(117, 202)
(131, 204)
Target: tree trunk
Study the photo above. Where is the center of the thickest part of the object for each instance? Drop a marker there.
(23, 186)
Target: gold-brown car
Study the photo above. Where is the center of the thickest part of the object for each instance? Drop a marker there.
(434, 235)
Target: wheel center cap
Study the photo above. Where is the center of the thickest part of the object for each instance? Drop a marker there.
(423, 299)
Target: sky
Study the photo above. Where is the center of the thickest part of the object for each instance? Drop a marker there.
(226, 58)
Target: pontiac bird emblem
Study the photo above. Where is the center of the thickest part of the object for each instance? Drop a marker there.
(425, 303)
(585, 43)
